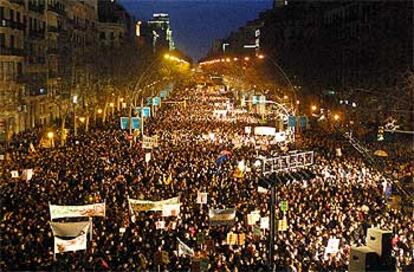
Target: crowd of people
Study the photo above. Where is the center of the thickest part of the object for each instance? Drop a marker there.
(344, 198)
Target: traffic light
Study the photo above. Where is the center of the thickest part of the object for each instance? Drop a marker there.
(380, 135)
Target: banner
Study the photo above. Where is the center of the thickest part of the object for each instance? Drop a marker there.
(78, 243)
(247, 130)
(57, 211)
(282, 224)
(147, 157)
(160, 225)
(261, 190)
(253, 217)
(183, 249)
(150, 142)
(171, 210)
(14, 174)
(202, 198)
(147, 205)
(265, 131)
(27, 174)
(264, 222)
(222, 216)
(70, 229)
(333, 246)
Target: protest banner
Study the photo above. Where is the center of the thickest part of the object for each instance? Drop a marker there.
(147, 205)
(147, 157)
(222, 216)
(333, 246)
(78, 243)
(264, 222)
(14, 174)
(70, 229)
(183, 249)
(201, 198)
(171, 210)
(90, 210)
(27, 174)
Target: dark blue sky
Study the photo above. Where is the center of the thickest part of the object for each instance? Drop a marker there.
(197, 23)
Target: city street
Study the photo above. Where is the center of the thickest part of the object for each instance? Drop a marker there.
(132, 155)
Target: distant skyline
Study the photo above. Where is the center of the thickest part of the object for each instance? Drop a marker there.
(197, 23)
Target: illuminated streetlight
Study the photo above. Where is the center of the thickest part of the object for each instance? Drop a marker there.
(297, 102)
(50, 135)
(121, 99)
(246, 58)
(313, 108)
(336, 117)
(82, 119)
(261, 56)
(235, 59)
(99, 111)
(167, 56)
(285, 97)
(112, 104)
(228, 59)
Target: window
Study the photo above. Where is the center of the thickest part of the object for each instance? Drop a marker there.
(12, 41)
(18, 17)
(2, 40)
(1, 12)
(11, 15)
(102, 35)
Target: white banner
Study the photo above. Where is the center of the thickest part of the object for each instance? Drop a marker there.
(333, 246)
(147, 157)
(171, 210)
(160, 225)
(57, 211)
(253, 217)
(280, 137)
(202, 198)
(14, 174)
(147, 205)
(265, 131)
(247, 130)
(27, 174)
(264, 222)
(78, 243)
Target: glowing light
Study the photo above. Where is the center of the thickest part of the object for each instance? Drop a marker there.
(99, 111)
(313, 108)
(285, 97)
(336, 117)
(112, 104)
(261, 56)
(235, 59)
(167, 56)
(246, 58)
(297, 102)
(82, 119)
(50, 134)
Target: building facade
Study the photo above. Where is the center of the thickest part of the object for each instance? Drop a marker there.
(161, 32)
(47, 54)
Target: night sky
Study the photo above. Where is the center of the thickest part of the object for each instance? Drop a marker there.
(197, 23)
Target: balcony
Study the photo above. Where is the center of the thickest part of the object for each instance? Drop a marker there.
(11, 52)
(17, 25)
(36, 8)
(19, 2)
(56, 9)
(53, 29)
(36, 34)
(54, 51)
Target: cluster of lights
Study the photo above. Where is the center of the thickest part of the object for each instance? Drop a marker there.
(222, 60)
(174, 58)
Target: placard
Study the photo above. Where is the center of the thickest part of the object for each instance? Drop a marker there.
(202, 198)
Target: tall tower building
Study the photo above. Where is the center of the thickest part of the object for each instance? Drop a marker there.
(161, 31)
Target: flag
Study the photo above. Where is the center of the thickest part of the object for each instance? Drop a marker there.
(183, 249)
(222, 216)
(223, 156)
